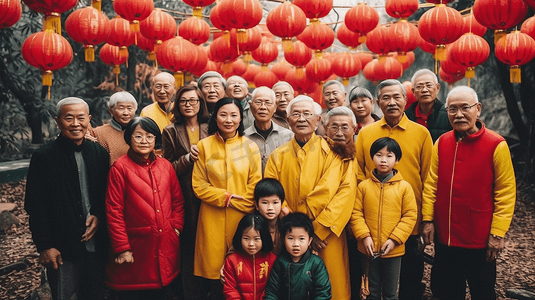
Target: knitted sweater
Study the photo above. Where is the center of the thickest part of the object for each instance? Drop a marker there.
(111, 137)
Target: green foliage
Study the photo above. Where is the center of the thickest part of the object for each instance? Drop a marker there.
(13, 133)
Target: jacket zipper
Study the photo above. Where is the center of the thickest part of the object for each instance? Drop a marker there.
(254, 278)
(379, 219)
(451, 190)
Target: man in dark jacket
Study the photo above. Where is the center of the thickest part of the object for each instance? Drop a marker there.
(428, 111)
(65, 198)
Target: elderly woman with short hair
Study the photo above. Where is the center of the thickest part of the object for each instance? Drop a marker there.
(361, 103)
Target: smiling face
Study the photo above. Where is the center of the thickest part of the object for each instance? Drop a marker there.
(297, 242)
(384, 161)
(333, 96)
(302, 126)
(72, 121)
(251, 241)
(186, 104)
(263, 106)
(283, 96)
(163, 88)
(392, 102)
(236, 88)
(142, 142)
(464, 122)
(123, 112)
(425, 89)
(212, 89)
(269, 207)
(340, 129)
(228, 120)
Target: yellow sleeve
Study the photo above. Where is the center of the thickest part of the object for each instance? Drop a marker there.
(253, 177)
(504, 190)
(430, 187)
(409, 215)
(425, 158)
(202, 187)
(272, 170)
(360, 159)
(358, 223)
(143, 113)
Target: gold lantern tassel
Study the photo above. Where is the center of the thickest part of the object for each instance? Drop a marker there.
(179, 79)
(188, 77)
(362, 39)
(440, 52)
(402, 57)
(117, 71)
(470, 72)
(197, 12)
(242, 35)
(97, 4)
(227, 67)
(47, 81)
(264, 68)
(226, 35)
(318, 54)
(123, 52)
(152, 56)
(248, 57)
(89, 51)
(345, 81)
(134, 26)
(515, 74)
(53, 22)
(251, 85)
(299, 72)
(498, 34)
(287, 44)
(381, 58)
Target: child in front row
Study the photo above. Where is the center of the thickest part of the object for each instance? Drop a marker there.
(382, 220)
(268, 197)
(297, 273)
(247, 269)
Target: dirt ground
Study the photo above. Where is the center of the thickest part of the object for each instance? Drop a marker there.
(516, 265)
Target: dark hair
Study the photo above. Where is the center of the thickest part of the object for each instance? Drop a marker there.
(202, 115)
(268, 187)
(212, 124)
(390, 144)
(146, 124)
(294, 220)
(259, 224)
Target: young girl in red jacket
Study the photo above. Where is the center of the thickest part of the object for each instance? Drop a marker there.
(247, 270)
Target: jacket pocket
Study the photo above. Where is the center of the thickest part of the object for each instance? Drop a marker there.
(480, 221)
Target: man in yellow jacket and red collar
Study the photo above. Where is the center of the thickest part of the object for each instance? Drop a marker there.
(469, 200)
(318, 179)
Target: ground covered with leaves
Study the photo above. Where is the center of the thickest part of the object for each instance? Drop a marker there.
(516, 265)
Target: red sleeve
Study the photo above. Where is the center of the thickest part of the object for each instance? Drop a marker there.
(115, 210)
(230, 289)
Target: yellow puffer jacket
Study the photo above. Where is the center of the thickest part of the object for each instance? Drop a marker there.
(384, 210)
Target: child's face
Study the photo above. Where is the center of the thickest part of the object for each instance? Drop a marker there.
(384, 161)
(251, 241)
(297, 242)
(269, 207)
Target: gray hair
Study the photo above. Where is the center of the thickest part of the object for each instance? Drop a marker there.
(210, 74)
(340, 111)
(121, 97)
(358, 91)
(331, 82)
(462, 89)
(284, 83)
(68, 101)
(238, 78)
(390, 82)
(317, 107)
(263, 89)
(167, 76)
(423, 72)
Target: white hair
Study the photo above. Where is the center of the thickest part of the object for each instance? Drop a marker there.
(423, 72)
(169, 77)
(340, 111)
(263, 89)
(462, 89)
(317, 107)
(121, 97)
(236, 77)
(68, 101)
(284, 83)
(331, 82)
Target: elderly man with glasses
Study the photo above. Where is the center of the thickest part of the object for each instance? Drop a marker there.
(468, 203)
(320, 182)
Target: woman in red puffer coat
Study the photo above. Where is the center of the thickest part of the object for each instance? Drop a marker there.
(145, 216)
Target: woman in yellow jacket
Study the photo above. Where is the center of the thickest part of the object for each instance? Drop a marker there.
(224, 177)
(384, 215)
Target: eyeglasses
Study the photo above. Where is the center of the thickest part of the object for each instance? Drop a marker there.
(334, 128)
(192, 102)
(306, 115)
(149, 138)
(260, 102)
(420, 87)
(452, 110)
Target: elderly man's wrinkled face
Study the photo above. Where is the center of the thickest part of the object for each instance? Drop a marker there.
(263, 106)
(425, 89)
(73, 120)
(212, 89)
(123, 112)
(333, 96)
(283, 95)
(236, 88)
(340, 129)
(463, 111)
(303, 120)
(392, 102)
(163, 89)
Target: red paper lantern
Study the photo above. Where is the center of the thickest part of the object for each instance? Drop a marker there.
(299, 56)
(401, 8)
(120, 34)
(239, 67)
(89, 27)
(317, 36)
(254, 39)
(369, 71)
(469, 51)
(346, 66)
(241, 14)
(266, 53)
(265, 78)
(300, 83)
(403, 37)
(281, 69)
(409, 59)
(528, 27)
(145, 44)
(194, 30)
(450, 67)
(210, 66)
(410, 95)
(319, 69)
(217, 19)
(10, 12)
(361, 19)
(201, 59)
(378, 42)
(391, 68)
(177, 55)
(470, 24)
(347, 37)
(134, 11)
(364, 58)
(250, 74)
(449, 78)
(499, 15)
(315, 9)
(515, 49)
(222, 51)
(531, 4)
(112, 56)
(286, 21)
(426, 47)
(52, 10)
(198, 5)
(441, 25)
(47, 51)
(159, 26)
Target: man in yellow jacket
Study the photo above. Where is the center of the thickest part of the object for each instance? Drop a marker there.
(416, 145)
(163, 91)
(320, 183)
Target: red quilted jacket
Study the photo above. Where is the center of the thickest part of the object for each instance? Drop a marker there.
(144, 205)
(246, 275)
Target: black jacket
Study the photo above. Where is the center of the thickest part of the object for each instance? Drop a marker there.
(437, 123)
(54, 201)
